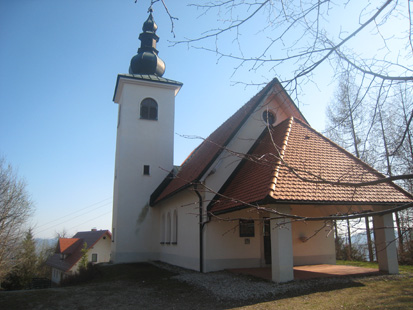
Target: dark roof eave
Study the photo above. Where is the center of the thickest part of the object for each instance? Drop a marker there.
(150, 77)
(234, 173)
(236, 208)
(154, 202)
(270, 200)
(145, 77)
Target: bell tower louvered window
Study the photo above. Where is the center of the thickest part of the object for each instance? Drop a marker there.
(149, 109)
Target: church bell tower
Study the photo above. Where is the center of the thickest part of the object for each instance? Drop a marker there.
(144, 149)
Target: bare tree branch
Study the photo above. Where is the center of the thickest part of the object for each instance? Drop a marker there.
(15, 208)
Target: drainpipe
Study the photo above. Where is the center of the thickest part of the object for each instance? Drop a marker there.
(201, 217)
(201, 229)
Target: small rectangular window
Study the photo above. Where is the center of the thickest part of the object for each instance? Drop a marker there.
(146, 170)
(246, 228)
(94, 258)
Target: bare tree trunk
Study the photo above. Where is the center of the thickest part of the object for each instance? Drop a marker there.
(336, 233)
(353, 129)
(356, 149)
(386, 149)
(369, 243)
(389, 173)
(407, 120)
(349, 240)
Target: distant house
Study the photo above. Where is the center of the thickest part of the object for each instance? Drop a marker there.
(68, 252)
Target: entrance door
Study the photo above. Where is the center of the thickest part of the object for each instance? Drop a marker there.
(267, 241)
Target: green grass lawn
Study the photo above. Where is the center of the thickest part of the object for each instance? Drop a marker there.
(369, 294)
(379, 292)
(402, 268)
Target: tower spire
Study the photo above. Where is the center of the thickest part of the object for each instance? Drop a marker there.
(147, 61)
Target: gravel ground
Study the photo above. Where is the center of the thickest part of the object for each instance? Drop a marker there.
(225, 285)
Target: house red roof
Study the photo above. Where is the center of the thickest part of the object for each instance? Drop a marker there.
(266, 174)
(67, 245)
(198, 162)
(69, 250)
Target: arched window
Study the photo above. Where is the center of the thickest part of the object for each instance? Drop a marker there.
(168, 229)
(149, 109)
(175, 228)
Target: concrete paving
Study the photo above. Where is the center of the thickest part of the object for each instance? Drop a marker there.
(310, 271)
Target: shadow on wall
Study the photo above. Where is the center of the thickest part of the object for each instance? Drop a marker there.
(141, 217)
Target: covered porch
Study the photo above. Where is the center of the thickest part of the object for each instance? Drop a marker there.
(284, 247)
(281, 249)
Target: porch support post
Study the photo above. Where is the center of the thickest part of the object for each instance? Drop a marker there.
(385, 243)
(281, 247)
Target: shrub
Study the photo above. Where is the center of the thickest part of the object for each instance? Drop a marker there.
(406, 257)
(82, 276)
(344, 252)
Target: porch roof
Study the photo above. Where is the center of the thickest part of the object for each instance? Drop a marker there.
(289, 164)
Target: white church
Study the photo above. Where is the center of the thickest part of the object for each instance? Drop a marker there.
(249, 196)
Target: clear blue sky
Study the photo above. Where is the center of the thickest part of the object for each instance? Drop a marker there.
(59, 61)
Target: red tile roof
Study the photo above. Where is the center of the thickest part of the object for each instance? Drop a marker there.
(265, 177)
(72, 248)
(67, 245)
(198, 162)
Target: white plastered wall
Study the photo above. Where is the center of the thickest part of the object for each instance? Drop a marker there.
(57, 275)
(102, 249)
(313, 241)
(183, 250)
(224, 248)
(140, 142)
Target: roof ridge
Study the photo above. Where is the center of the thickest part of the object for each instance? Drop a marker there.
(281, 90)
(273, 182)
(234, 123)
(265, 90)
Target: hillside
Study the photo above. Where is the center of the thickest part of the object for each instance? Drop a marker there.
(149, 286)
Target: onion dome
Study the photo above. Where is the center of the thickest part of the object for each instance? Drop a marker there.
(147, 60)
